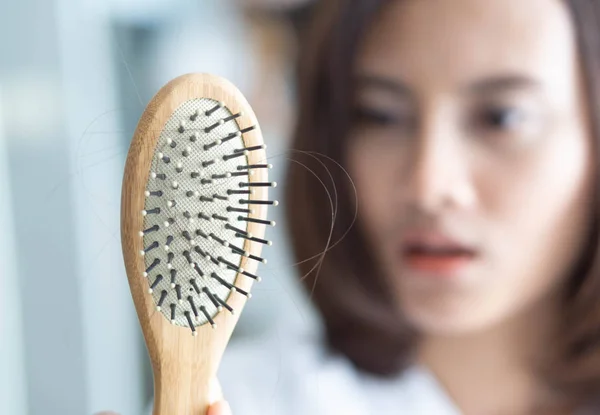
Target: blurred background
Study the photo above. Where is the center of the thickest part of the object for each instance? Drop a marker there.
(75, 76)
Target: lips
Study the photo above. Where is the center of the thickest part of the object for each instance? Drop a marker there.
(435, 253)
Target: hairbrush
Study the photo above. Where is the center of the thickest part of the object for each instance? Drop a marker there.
(193, 218)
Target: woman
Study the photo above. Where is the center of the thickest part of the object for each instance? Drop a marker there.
(468, 283)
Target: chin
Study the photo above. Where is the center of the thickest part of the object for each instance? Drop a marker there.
(450, 318)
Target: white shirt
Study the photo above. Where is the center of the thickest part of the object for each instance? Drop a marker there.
(284, 376)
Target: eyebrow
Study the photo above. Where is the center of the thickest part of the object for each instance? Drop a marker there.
(498, 83)
(384, 84)
(501, 83)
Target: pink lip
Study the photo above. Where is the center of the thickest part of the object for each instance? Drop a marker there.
(435, 254)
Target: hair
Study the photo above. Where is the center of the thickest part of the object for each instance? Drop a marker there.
(360, 318)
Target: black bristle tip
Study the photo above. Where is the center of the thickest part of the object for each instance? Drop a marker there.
(211, 297)
(195, 286)
(173, 306)
(253, 148)
(257, 202)
(213, 109)
(161, 300)
(190, 322)
(151, 229)
(254, 220)
(237, 230)
(152, 265)
(221, 281)
(210, 320)
(152, 246)
(198, 270)
(248, 129)
(257, 184)
(238, 192)
(238, 210)
(224, 304)
(254, 239)
(228, 264)
(192, 305)
(232, 117)
(178, 291)
(234, 155)
(254, 166)
(157, 281)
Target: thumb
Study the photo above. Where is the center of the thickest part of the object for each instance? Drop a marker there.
(219, 408)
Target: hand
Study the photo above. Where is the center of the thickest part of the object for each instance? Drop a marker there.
(218, 408)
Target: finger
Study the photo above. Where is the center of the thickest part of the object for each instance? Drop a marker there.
(219, 408)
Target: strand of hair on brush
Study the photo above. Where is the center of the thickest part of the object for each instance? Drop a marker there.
(333, 202)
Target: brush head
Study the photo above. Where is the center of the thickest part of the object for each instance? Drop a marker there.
(197, 211)
(195, 197)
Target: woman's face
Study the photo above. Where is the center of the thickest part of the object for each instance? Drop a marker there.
(471, 156)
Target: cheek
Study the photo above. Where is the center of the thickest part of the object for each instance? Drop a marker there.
(541, 215)
(374, 168)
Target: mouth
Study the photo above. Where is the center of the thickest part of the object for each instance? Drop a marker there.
(436, 254)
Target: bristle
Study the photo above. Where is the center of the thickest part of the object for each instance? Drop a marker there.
(233, 228)
(192, 208)
(258, 202)
(193, 306)
(247, 149)
(149, 248)
(210, 320)
(190, 322)
(239, 210)
(253, 239)
(151, 266)
(258, 184)
(173, 307)
(157, 281)
(254, 277)
(173, 277)
(255, 166)
(213, 109)
(224, 304)
(168, 242)
(195, 285)
(163, 295)
(235, 155)
(254, 220)
(212, 298)
(247, 129)
(229, 264)
(222, 281)
(178, 291)
(239, 192)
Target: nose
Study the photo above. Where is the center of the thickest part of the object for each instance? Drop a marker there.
(440, 177)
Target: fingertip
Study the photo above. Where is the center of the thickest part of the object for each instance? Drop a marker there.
(219, 408)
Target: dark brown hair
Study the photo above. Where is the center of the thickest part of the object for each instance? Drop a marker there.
(360, 317)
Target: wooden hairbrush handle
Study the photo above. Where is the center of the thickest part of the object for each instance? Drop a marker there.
(198, 298)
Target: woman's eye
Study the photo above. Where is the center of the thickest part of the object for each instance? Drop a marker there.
(502, 118)
(379, 118)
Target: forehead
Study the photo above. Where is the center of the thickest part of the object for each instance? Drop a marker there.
(445, 42)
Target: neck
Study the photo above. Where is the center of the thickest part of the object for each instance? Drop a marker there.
(491, 372)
